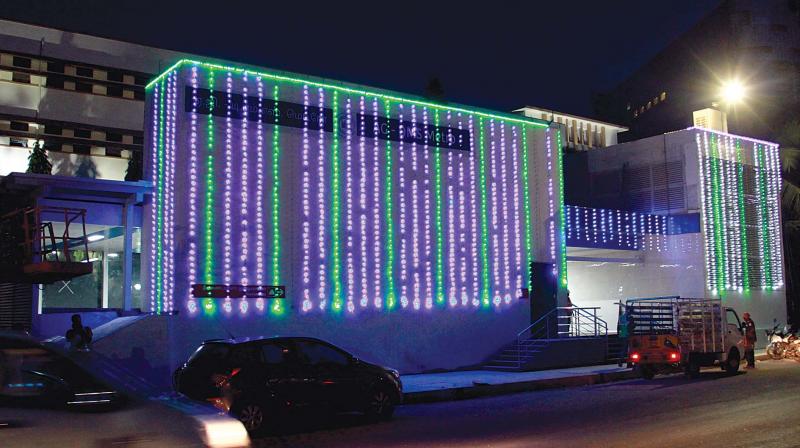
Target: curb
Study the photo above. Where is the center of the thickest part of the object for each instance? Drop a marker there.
(486, 390)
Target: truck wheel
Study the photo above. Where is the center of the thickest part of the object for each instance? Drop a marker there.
(731, 365)
(647, 372)
(692, 369)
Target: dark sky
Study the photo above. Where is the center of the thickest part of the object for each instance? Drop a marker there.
(490, 53)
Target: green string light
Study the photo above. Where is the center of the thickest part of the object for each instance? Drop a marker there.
(485, 284)
(562, 217)
(336, 276)
(391, 301)
(526, 203)
(437, 197)
(160, 206)
(209, 209)
(277, 306)
(742, 228)
(766, 246)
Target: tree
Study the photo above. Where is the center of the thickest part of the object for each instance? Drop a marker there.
(434, 90)
(38, 162)
(134, 171)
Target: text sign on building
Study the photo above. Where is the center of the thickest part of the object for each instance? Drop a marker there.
(220, 104)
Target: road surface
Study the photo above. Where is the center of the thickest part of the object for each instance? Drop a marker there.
(756, 408)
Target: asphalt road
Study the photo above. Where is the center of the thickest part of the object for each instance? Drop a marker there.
(756, 408)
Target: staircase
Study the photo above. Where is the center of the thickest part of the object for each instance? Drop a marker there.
(559, 325)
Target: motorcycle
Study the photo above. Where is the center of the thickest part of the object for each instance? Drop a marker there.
(782, 343)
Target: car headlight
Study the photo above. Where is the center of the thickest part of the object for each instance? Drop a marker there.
(223, 432)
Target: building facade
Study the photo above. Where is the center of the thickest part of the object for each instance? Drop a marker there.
(754, 42)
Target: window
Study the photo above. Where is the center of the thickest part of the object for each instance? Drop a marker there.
(55, 66)
(138, 94)
(114, 75)
(315, 354)
(275, 353)
(14, 141)
(19, 126)
(55, 82)
(141, 80)
(114, 91)
(82, 149)
(245, 355)
(83, 133)
(83, 87)
(210, 354)
(21, 77)
(52, 129)
(22, 62)
(113, 137)
(138, 140)
(84, 71)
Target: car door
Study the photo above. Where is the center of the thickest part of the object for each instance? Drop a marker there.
(334, 382)
(285, 377)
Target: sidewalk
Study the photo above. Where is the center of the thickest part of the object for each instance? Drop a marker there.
(430, 387)
(447, 386)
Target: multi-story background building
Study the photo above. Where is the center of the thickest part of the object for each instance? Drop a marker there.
(754, 42)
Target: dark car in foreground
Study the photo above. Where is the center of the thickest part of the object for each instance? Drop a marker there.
(259, 380)
(50, 397)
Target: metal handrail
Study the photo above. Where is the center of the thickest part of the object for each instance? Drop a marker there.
(579, 319)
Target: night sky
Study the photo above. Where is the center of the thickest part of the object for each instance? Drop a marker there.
(495, 54)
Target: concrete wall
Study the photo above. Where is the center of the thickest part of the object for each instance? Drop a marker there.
(426, 322)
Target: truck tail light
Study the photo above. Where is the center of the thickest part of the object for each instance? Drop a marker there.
(674, 356)
(634, 356)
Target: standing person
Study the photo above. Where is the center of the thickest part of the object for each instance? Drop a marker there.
(79, 336)
(624, 327)
(749, 341)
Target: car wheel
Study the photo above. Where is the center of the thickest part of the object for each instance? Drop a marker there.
(251, 415)
(732, 363)
(647, 372)
(380, 404)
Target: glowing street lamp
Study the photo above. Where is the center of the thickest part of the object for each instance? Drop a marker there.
(733, 92)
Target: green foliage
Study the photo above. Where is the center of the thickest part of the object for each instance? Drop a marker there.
(38, 162)
(134, 171)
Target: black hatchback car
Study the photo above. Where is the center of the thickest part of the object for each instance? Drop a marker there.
(258, 379)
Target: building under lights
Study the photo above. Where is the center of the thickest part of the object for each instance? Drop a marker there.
(694, 213)
(397, 226)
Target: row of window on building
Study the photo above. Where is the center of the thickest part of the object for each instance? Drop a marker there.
(71, 137)
(655, 101)
(65, 75)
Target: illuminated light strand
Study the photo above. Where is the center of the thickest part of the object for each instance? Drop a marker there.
(551, 200)
(166, 195)
(745, 258)
(764, 249)
(426, 215)
(306, 204)
(516, 207)
(527, 204)
(703, 163)
(439, 289)
(227, 260)
(227, 238)
(168, 306)
(336, 250)
(260, 170)
(504, 205)
(191, 260)
(153, 291)
(732, 217)
(322, 207)
(376, 217)
(404, 267)
(244, 256)
(350, 90)
(208, 236)
(277, 304)
(362, 203)
(351, 282)
(722, 177)
(719, 237)
(776, 181)
(451, 230)
(415, 253)
(485, 285)
(160, 203)
(562, 239)
(475, 212)
(390, 287)
(496, 248)
(462, 220)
